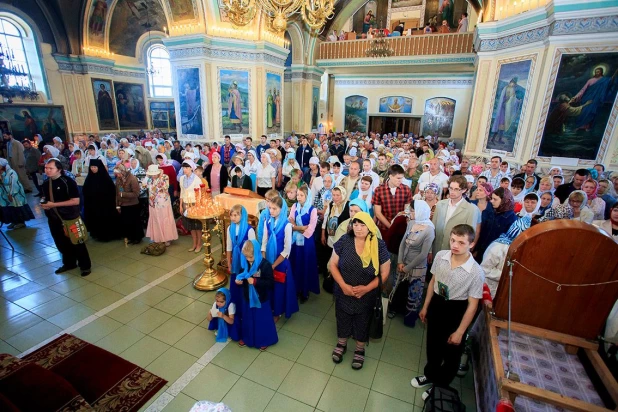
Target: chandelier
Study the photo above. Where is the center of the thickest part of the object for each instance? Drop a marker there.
(150, 70)
(14, 79)
(240, 12)
(316, 12)
(379, 46)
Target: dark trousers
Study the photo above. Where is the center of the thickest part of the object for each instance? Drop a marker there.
(262, 190)
(443, 318)
(35, 182)
(71, 254)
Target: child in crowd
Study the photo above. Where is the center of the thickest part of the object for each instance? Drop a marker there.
(505, 183)
(345, 167)
(365, 192)
(531, 205)
(452, 298)
(517, 188)
(256, 280)
(276, 244)
(221, 314)
(238, 232)
(296, 177)
(304, 218)
(265, 214)
(290, 193)
(336, 172)
(240, 180)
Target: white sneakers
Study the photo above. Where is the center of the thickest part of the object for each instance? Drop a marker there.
(420, 381)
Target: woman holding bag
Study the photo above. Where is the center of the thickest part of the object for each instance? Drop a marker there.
(358, 259)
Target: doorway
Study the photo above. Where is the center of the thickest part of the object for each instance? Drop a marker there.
(390, 124)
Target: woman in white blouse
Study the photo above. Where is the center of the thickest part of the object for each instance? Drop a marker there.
(252, 167)
(266, 175)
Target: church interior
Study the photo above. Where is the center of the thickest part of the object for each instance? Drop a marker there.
(530, 82)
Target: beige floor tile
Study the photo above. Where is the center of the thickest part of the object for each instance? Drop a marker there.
(378, 402)
(85, 292)
(33, 335)
(175, 283)
(128, 311)
(304, 384)
(145, 351)
(196, 312)
(281, 403)
(129, 286)
(340, 395)
(197, 341)
(103, 299)
(149, 320)
(318, 355)
(9, 309)
(174, 303)
(154, 295)
(290, 345)
(302, 324)
(204, 387)
(120, 340)
(181, 402)
(54, 307)
(71, 315)
(235, 358)
(171, 364)
(268, 370)
(18, 323)
(172, 330)
(97, 329)
(248, 396)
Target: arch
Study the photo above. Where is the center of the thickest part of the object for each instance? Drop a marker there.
(296, 35)
(145, 42)
(30, 42)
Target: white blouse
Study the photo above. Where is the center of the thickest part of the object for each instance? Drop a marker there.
(287, 240)
(228, 242)
(265, 176)
(187, 195)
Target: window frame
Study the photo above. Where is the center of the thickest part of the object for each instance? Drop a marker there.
(155, 88)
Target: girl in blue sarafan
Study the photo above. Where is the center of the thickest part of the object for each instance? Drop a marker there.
(276, 246)
(238, 232)
(221, 315)
(304, 218)
(257, 282)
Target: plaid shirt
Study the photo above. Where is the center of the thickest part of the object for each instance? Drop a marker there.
(391, 205)
(493, 181)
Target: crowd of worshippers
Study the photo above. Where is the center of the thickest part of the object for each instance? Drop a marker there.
(362, 207)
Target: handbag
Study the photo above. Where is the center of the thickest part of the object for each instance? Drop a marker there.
(154, 249)
(376, 320)
(279, 276)
(74, 229)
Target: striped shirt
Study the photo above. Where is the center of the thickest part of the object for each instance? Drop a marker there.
(460, 283)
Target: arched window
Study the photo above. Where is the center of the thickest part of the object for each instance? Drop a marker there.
(161, 80)
(11, 41)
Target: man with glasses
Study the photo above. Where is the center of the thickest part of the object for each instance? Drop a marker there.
(453, 211)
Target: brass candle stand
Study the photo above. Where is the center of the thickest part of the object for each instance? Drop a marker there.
(206, 210)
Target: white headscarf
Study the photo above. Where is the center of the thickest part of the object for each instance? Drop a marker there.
(422, 211)
(523, 213)
(52, 150)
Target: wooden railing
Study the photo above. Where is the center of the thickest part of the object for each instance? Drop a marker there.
(418, 45)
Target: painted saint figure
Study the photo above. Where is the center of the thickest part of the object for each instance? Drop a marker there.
(446, 11)
(234, 106)
(104, 104)
(269, 110)
(277, 108)
(596, 90)
(561, 113)
(97, 20)
(508, 109)
(395, 107)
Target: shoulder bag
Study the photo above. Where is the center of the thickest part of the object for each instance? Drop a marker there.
(74, 229)
(376, 321)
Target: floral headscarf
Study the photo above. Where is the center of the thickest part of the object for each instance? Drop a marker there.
(594, 194)
(508, 202)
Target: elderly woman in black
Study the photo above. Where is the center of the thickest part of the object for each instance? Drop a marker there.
(357, 261)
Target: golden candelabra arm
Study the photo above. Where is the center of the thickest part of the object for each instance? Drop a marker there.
(278, 11)
(315, 13)
(240, 12)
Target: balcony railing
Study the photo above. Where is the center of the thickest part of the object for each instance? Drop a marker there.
(417, 45)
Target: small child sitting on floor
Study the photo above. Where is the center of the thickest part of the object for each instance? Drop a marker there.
(221, 314)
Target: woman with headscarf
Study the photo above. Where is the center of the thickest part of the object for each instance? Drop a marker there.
(170, 172)
(100, 214)
(304, 217)
(335, 211)
(277, 245)
(595, 203)
(216, 175)
(239, 179)
(532, 204)
(161, 225)
(573, 208)
(252, 167)
(430, 195)
(110, 162)
(610, 226)
(358, 259)
(497, 223)
(495, 255)
(127, 203)
(266, 175)
(546, 203)
(14, 208)
(412, 259)
(289, 164)
(189, 183)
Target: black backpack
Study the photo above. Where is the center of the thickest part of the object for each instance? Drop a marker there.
(443, 400)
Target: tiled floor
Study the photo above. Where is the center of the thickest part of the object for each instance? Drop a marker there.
(164, 330)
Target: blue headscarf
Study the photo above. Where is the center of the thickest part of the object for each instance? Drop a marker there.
(222, 325)
(275, 226)
(360, 203)
(250, 270)
(299, 238)
(243, 228)
(515, 230)
(264, 215)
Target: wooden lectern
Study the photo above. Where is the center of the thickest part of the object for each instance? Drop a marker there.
(254, 204)
(562, 290)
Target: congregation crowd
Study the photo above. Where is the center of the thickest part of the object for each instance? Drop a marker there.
(407, 211)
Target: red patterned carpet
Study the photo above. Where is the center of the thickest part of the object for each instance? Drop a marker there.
(105, 381)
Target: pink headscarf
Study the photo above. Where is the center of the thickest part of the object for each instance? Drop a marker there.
(596, 189)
